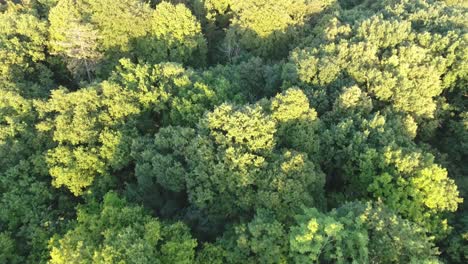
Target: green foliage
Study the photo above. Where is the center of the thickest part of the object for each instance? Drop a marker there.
(375, 156)
(25, 192)
(245, 82)
(318, 237)
(174, 35)
(92, 35)
(298, 124)
(94, 126)
(266, 28)
(391, 238)
(233, 131)
(16, 134)
(86, 31)
(184, 94)
(23, 53)
(91, 132)
(393, 55)
(162, 160)
(117, 232)
(263, 240)
(235, 165)
(230, 164)
(26, 198)
(359, 232)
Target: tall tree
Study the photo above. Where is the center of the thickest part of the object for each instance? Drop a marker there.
(118, 232)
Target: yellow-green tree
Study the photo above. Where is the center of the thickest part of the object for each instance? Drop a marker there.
(23, 38)
(118, 232)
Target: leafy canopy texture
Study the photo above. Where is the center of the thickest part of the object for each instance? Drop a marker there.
(118, 232)
(91, 35)
(233, 131)
(231, 163)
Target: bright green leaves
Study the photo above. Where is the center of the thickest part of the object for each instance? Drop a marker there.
(410, 78)
(74, 168)
(291, 180)
(319, 237)
(266, 28)
(23, 39)
(73, 126)
(90, 129)
(353, 99)
(374, 155)
(119, 22)
(398, 57)
(360, 232)
(234, 148)
(389, 56)
(263, 240)
(92, 35)
(16, 114)
(18, 139)
(245, 128)
(94, 126)
(117, 232)
(186, 94)
(297, 123)
(24, 34)
(174, 35)
(383, 33)
(75, 41)
(292, 105)
(231, 163)
(85, 32)
(227, 158)
(418, 189)
(356, 232)
(405, 77)
(390, 237)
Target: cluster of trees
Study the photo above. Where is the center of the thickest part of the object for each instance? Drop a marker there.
(233, 131)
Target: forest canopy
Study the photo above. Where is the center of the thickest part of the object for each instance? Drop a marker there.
(233, 131)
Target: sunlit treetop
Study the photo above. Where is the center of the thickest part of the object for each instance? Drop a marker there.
(116, 231)
(402, 54)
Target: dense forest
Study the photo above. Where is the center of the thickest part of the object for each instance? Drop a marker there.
(233, 131)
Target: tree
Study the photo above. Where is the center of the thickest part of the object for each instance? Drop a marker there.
(262, 240)
(32, 211)
(90, 131)
(116, 231)
(355, 232)
(359, 232)
(230, 165)
(17, 137)
(233, 131)
(174, 35)
(318, 237)
(93, 127)
(7, 251)
(186, 94)
(98, 34)
(22, 53)
(261, 27)
(374, 154)
(408, 65)
(93, 35)
(244, 82)
(79, 48)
